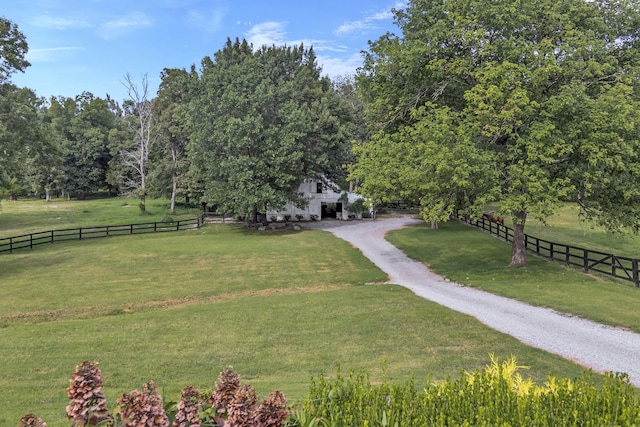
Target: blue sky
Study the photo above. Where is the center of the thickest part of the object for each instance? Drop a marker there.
(89, 45)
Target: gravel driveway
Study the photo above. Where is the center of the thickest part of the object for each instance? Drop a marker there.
(602, 348)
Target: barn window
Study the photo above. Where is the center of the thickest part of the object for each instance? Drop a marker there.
(319, 188)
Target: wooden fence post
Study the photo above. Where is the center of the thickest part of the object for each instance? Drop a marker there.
(634, 265)
(585, 260)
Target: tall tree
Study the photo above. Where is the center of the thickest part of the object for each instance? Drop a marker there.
(13, 50)
(171, 128)
(80, 127)
(21, 133)
(139, 117)
(17, 106)
(263, 123)
(529, 102)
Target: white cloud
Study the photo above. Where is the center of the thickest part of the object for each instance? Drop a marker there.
(275, 33)
(58, 23)
(369, 21)
(267, 33)
(209, 22)
(338, 67)
(124, 25)
(51, 54)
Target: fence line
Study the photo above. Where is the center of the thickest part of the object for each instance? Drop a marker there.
(28, 241)
(620, 267)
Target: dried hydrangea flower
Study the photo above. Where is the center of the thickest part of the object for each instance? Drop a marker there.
(241, 408)
(88, 405)
(138, 409)
(227, 385)
(188, 409)
(273, 411)
(31, 420)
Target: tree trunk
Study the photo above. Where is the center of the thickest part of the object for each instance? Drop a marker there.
(518, 250)
(47, 195)
(255, 214)
(174, 190)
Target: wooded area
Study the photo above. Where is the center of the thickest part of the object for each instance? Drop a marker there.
(239, 135)
(522, 103)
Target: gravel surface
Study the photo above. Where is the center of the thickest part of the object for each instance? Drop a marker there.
(602, 348)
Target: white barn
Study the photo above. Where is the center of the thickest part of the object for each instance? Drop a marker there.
(323, 203)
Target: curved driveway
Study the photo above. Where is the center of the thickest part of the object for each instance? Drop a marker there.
(602, 348)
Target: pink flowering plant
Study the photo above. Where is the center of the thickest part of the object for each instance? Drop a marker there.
(188, 414)
(87, 404)
(231, 404)
(140, 409)
(31, 420)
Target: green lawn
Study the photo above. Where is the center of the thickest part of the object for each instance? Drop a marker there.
(564, 227)
(471, 257)
(179, 307)
(34, 215)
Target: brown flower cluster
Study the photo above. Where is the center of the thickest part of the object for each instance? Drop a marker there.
(188, 409)
(230, 405)
(139, 409)
(226, 386)
(87, 405)
(31, 420)
(273, 411)
(240, 409)
(239, 403)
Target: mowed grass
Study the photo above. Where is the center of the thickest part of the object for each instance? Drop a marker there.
(471, 257)
(565, 227)
(179, 307)
(35, 215)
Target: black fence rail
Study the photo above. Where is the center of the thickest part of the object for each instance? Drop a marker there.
(624, 268)
(28, 241)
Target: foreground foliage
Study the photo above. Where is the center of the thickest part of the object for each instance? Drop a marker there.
(496, 395)
(230, 404)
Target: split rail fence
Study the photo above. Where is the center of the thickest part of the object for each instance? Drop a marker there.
(28, 241)
(621, 267)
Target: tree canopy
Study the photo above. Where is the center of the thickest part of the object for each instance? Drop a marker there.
(263, 121)
(527, 102)
(13, 50)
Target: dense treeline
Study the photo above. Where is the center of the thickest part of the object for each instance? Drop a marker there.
(241, 134)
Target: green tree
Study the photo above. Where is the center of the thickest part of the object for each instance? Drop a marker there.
(81, 127)
(527, 102)
(13, 50)
(263, 122)
(171, 127)
(21, 133)
(17, 106)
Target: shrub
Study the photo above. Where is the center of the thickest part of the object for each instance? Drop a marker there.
(497, 395)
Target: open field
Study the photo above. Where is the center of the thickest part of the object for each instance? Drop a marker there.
(179, 307)
(34, 215)
(565, 227)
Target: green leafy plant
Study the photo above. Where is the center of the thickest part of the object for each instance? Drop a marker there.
(496, 395)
